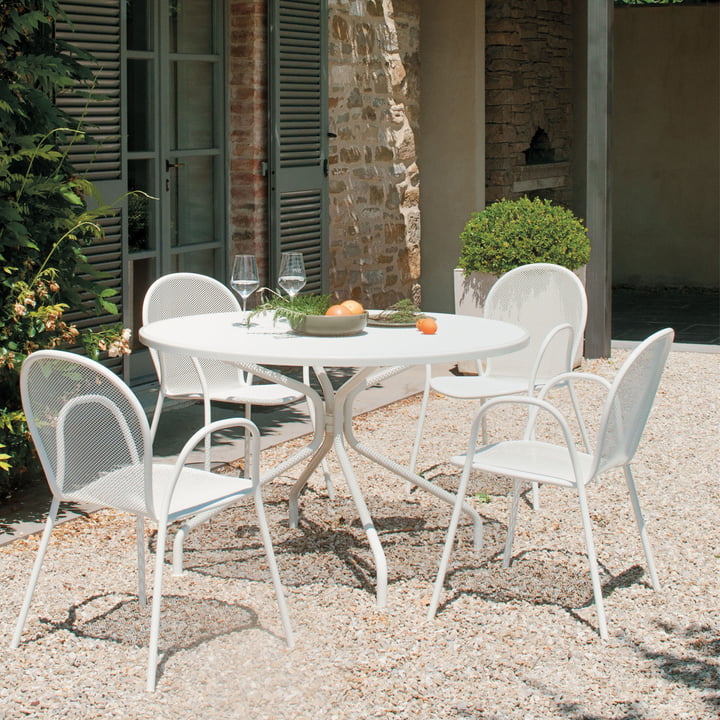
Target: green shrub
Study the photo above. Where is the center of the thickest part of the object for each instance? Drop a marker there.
(509, 233)
(44, 219)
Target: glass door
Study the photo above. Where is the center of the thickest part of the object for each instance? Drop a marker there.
(175, 144)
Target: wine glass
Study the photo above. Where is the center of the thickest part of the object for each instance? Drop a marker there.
(291, 277)
(244, 279)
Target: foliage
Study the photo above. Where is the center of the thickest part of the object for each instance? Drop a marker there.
(44, 217)
(292, 308)
(509, 233)
(403, 311)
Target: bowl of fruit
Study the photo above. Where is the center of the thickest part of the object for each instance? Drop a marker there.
(318, 315)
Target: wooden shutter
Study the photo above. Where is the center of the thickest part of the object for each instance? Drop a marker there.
(298, 135)
(95, 28)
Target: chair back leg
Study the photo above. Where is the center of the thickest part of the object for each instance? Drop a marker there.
(592, 560)
(641, 527)
(140, 533)
(274, 573)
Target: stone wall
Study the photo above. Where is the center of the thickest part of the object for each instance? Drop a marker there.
(374, 176)
(529, 71)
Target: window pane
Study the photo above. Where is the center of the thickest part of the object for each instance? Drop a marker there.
(192, 194)
(140, 104)
(142, 211)
(192, 97)
(139, 25)
(191, 23)
(202, 261)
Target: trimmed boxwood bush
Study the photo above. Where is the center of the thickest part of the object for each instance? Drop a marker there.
(509, 233)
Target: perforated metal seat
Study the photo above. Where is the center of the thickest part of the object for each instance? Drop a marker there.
(94, 442)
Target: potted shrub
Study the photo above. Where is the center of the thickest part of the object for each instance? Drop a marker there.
(509, 233)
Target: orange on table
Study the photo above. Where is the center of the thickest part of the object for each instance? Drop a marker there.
(353, 306)
(427, 325)
(338, 310)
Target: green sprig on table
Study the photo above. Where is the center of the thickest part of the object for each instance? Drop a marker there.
(292, 308)
(403, 311)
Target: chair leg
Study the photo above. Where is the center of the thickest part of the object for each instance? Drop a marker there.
(450, 537)
(156, 602)
(512, 524)
(421, 421)
(207, 419)
(274, 573)
(140, 532)
(535, 496)
(42, 549)
(156, 414)
(641, 527)
(592, 560)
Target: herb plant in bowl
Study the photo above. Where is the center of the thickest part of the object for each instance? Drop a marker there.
(307, 315)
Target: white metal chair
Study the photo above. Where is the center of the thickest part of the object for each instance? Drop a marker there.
(94, 442)
(625, 412)
(184, 293)
(550, 303)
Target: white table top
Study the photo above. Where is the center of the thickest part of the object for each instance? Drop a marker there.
(223, 336)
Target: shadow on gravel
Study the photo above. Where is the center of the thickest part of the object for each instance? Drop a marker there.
(187, 622)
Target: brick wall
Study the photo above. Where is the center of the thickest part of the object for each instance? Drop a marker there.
(529, 65)
(247, 83)
(374, 177)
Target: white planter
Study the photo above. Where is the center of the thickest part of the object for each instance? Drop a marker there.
(470, 294)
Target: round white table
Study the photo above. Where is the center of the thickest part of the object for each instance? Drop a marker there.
(373, 355)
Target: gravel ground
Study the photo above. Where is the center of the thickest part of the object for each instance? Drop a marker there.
(514, 643)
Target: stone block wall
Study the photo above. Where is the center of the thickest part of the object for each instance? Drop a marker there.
(374, 177)
(529, 72)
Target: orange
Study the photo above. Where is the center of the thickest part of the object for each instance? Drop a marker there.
(353, 306)
(427, 325)
(337, 310)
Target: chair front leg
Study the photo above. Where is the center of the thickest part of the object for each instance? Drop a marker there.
(592, 560)
(156, 603)
(421, 422)
(512, 523)
(42, 549)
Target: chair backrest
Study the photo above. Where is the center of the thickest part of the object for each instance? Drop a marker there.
(630, 400)
(177, 295)
(90, 431)
(539, 297)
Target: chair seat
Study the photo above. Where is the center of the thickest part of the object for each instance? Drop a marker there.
(474, 387)
(233, 392)
(529, 460)
(196, 490)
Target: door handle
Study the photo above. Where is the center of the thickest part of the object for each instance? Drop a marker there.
(169, 165)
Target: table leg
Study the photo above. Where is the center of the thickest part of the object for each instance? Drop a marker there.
(372, 454)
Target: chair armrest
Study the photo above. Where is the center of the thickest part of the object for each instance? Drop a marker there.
(550, 339)
(571, 378)
(533, 403)
(253, 454)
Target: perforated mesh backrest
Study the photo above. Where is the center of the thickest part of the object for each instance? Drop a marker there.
(630, 400)
(178, 295)
(90, 431)
(538, 297)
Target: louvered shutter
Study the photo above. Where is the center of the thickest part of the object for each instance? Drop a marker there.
(95, 28)
(298, 136)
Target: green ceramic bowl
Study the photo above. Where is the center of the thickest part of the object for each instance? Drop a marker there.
(329, 325)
